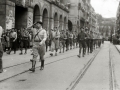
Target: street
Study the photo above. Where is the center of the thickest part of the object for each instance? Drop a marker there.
(67, 72)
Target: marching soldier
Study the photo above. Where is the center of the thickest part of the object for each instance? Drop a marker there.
(91, 41)
(57, 37)
(55, 41)
(39, 38)
(67, 40)
(71, 39)
(74, 39)
(62, 40)
(24, 40)
(85, 31)
(81, 39)
(88, 41)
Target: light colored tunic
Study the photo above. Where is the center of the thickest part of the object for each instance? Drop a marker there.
(39, 37)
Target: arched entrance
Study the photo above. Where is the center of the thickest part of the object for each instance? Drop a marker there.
(36, 15)
(65, 22)
(45, 19)
(56, 20)
(20, 17)
(70, 25)
(60, 22)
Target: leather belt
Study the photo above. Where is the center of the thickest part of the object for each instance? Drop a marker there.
(37, 41)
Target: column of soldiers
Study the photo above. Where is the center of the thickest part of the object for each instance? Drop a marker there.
(63, 40)
(87, 41)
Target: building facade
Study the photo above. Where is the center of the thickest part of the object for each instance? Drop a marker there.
(65, 14)
(23, 13)
(117, 28)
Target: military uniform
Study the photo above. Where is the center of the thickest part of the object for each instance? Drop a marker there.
(91, 42)
(62, 41)
(81, 40)
(71, 40)
(39, 38)
(88, 42)
(74, 40)
(67, 41)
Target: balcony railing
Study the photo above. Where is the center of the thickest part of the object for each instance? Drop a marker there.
(24, 3)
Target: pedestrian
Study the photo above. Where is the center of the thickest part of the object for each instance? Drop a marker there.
(24, 40)
(39, 38)
(13, 41)
(19, 38)
(1, 51)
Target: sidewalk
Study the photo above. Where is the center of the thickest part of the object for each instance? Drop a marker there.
(115, 58)
(60, 71)
(118, 48)
(15, 59)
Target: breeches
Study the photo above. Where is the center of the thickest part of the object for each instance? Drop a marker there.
(39, 50)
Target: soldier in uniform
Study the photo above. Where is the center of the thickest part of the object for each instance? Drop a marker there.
(81, 39)
(91, 41)
(47, 41)
(39, 38)
(76, 34)
(67, 40)
(62, 40)
(55, 41)
(74, 39)
(24, 40)
(85, 31)
(57, 37)
(88, 41)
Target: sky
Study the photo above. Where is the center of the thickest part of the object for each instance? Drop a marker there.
(107, 8)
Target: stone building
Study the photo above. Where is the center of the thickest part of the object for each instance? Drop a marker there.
(23, 13)
(118, 20)
(65, 14)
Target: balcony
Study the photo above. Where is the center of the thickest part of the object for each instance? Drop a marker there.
(60, 5)
(23, 3)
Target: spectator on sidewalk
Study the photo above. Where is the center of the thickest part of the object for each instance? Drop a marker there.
(1, 51)
(13, 41)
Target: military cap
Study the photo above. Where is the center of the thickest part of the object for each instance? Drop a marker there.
(39, 22)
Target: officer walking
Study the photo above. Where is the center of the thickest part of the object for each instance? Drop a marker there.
(39, 36)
